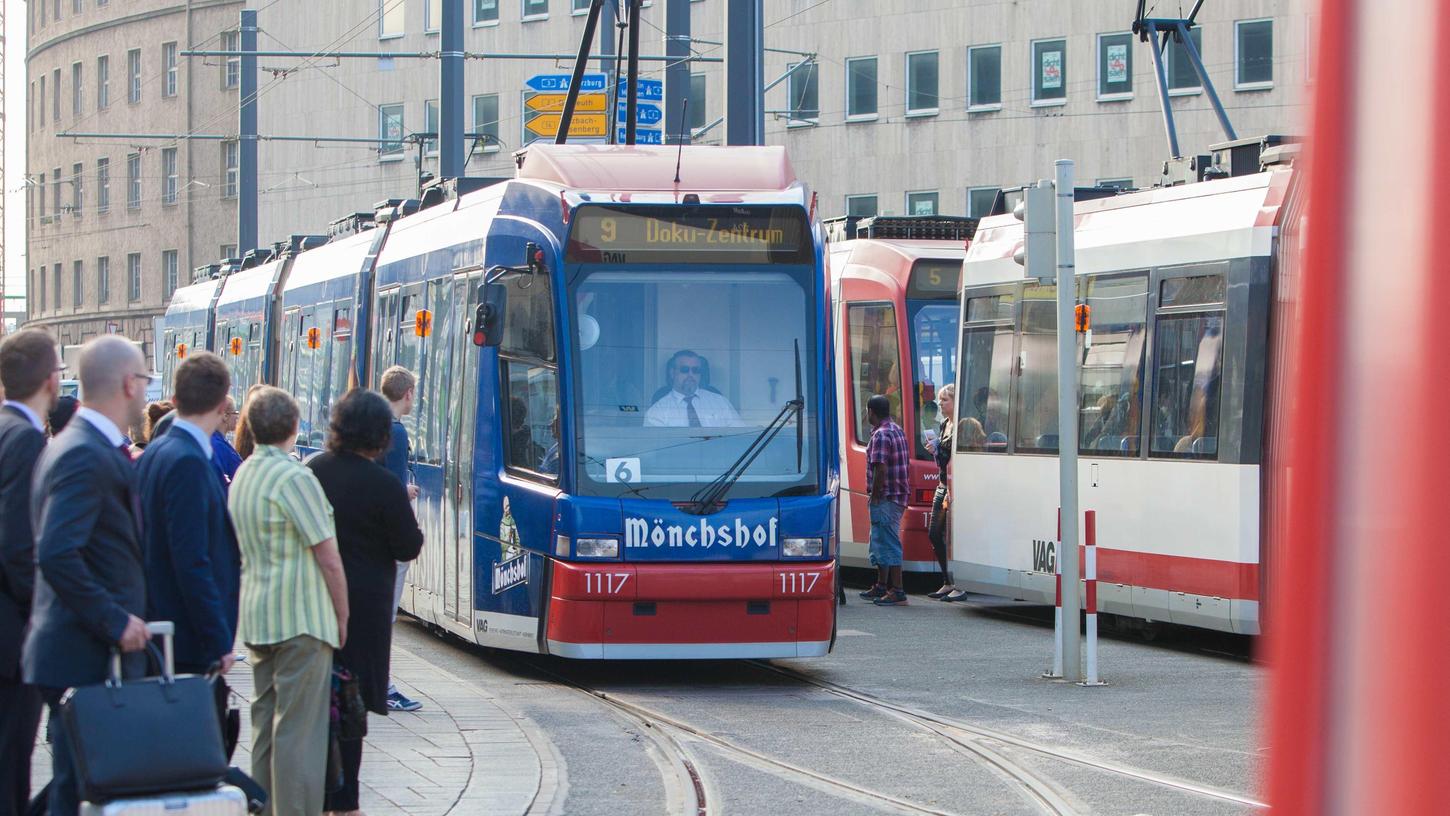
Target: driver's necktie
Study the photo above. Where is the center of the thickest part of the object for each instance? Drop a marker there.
(690, 411)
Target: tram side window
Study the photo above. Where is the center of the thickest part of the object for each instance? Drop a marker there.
(342, 349)
(529, 317)
(307, 360)
(436, 351)
(934, 351)
(875, 360)
(986, 376)
(1111, 396)
(531, 407)
(406, 354)
(1188, 364)
(1036, 408)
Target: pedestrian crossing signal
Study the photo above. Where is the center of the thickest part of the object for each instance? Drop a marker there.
(314, 338)
(236, 346)
(423, 323)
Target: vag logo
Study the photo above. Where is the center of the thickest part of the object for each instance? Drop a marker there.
(510, 573)
(1044, 555)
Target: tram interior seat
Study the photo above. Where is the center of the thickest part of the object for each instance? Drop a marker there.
(997, 441)
(1046, 441)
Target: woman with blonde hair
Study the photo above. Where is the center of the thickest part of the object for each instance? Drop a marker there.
(941, 450)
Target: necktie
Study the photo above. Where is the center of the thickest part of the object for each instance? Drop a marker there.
(690, 411)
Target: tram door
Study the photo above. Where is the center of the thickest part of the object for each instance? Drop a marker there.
(287, 366)
(458, 464)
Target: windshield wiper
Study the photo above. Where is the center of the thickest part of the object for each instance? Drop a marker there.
(706, 497)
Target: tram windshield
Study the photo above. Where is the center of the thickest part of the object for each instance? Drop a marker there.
(931, 307)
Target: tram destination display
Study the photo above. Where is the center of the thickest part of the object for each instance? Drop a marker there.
(934, 279)
(751, 235)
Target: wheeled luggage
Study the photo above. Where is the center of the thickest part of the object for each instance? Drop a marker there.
(148, 738)
(224, 800)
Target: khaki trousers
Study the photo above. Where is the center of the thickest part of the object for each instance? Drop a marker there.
(290, 711)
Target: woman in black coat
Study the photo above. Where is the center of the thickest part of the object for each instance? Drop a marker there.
(375, 530)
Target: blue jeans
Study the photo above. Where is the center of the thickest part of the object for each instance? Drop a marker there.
(886, 533)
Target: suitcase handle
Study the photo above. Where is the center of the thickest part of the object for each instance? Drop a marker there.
(166, 630)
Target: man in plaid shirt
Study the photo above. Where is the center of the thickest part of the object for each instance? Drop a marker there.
(887, 480)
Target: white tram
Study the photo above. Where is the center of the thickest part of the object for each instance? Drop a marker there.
(1174, 382)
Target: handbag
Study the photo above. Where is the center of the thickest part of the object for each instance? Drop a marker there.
(147, 736)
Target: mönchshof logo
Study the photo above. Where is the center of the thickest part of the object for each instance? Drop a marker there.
(643, 533)
(510, 573)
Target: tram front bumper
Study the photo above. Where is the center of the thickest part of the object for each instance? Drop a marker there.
(691, 611)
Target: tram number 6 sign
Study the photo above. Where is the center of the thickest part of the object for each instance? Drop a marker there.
(798, 583)
(604, 583)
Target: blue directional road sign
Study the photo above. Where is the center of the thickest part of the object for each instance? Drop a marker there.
(644, 114)
(650, 136)
(559, 83)
(650, 90)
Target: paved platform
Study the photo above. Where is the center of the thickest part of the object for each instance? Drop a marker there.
(461, 754)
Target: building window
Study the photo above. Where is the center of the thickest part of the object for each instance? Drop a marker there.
(229, 251)
(861, 205)
(40, 197)
(77, 296)
(485, 12)
(133, 181)
(393, 18)
(55, 282)
(77, 6)
(103, 279)
(1115, 67)
(55, 186)
(168, 59)
(984, 78)
(133, 276)
(1117, 183)
(77, 85)
(390, 131)
(133, 75)
(231, 66)
(1049, 72)
(55, 95)
(580, 7)
(230, 162)
(169, 270)
(804, 94)
(485, 120)
(1182, 79)
(168, 175)
(430, 125)
(979, 200)
(40, 282)
(76, 175)
(432, 14)
(861, 88)
(103, 185)
(40, 109)
(1253, 55)
(536, 9)
(921, 203)
(921, 83)
(697, 102)
(103, 82)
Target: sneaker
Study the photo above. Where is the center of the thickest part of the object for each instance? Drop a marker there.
(398, 702)
(876, 591)
(894, 597)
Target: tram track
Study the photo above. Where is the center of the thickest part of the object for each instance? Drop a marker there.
(966, 736)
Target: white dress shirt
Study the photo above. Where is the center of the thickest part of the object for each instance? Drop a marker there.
(196, 433)
(103, 424)
(27, 413)
(714, 411)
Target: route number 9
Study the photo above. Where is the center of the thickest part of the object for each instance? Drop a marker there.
(608, 230)
(798, 583)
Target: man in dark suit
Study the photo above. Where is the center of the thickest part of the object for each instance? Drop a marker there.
(193, 566)
(89, 587)
(30, 375)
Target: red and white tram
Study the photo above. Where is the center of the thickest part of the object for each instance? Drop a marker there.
(1175, 377)
(894, 283)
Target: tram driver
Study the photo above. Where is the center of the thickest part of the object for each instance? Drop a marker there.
(687, 404)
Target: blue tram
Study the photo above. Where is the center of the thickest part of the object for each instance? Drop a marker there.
(623, 431)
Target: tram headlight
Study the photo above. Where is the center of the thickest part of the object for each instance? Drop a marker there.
(803, 547)
(596, 548)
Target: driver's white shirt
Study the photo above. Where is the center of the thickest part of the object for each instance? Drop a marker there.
(714, 411)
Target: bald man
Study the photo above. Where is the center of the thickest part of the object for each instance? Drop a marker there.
(90, 586)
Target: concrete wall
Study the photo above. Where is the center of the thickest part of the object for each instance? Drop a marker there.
(195, 226)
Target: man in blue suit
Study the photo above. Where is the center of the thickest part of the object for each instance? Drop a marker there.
(193, 566)
(89, 586)
(30, 376)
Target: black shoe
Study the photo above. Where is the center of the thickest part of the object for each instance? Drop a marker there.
(894, 597)
(956, 595)
(942, 593)
(876, 591)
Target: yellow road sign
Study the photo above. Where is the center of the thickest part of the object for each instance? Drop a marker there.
(554, 102)
(584, 124)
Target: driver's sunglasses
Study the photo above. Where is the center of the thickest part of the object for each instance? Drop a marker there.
(690, 369)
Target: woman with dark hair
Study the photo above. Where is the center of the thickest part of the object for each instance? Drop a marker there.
(245, 442)
(375, 530)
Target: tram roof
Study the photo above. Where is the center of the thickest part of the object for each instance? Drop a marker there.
(248, 284)
(193, 297)
(649, 168)
(867, 257)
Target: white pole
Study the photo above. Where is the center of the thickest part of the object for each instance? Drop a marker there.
(1056, 672)
(1067, 556)
(1090, 580)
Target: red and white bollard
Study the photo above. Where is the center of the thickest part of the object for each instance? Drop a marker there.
(1056, 672)
(1090, 580)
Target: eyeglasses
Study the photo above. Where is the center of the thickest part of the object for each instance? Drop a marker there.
(147, 377)
(690, 369)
